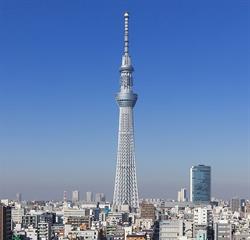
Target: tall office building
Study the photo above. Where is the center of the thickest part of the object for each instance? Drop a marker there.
(182, 195)
(89, 197)
(200, 183)
(243, 205)
(126, 191)
(19, 197)
(99, 197)
(64, 196)
(5, 223)
(75, 196)
(235, 204)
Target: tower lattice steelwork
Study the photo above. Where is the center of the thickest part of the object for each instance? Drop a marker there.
(126, 191)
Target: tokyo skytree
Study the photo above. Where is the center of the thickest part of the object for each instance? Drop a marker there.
(126, 191)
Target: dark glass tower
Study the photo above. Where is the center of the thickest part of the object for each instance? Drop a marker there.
(200, 184)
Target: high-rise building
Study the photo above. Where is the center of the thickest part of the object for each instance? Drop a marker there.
(235, 204)
(182, 195)
(64, 196)
(243, 205)
(65, 199)
(99, 197)
(75, 196)
(103, 197)
(200, 183)
(5, 223)
(125, 190)
(89, 197)
(19, 197)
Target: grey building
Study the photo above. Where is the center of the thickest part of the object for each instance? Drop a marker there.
(235, 205)
(75, 196)
(30, 220)
(223, 230)
(171, 229)
(89, 197)
(19, 197)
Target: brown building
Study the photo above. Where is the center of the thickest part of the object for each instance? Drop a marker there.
(76, 221)
(137, 237)
(5, 223)
(147, 211)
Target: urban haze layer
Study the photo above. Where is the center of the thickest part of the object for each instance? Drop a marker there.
(127, 217)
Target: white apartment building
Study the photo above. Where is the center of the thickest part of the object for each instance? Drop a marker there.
(72, 212)
(16, 214)
(203, 216)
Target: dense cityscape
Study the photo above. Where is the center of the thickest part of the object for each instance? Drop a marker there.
(194, 214)
(92, 218)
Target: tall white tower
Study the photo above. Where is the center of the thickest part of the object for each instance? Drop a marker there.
(126, 191)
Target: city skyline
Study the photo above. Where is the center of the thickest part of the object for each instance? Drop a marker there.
(58, 69)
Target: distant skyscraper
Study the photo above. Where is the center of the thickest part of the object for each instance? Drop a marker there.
(103, 197)
(19, 197)
(243, 205)
(75, 196)
(89, 197)
(200, 183)
(126, 191)
(64, 196)
(235, 204)
(99, 197)
(5, 223)
(182, 195)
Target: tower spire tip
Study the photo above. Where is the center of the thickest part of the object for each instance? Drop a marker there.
(126, 14)
(126, 18)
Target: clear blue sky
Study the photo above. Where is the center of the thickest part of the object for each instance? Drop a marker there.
(59, 63)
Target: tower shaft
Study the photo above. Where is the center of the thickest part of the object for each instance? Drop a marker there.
(126, 191)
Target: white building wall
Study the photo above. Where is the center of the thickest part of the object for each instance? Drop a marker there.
(171, 230)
